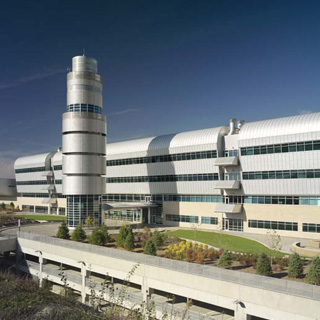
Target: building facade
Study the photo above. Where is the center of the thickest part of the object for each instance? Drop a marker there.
(247, 177)
(251, 177)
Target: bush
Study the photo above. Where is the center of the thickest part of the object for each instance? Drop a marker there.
(158, 239)
(129, 242)
(263, 265)
(97, 237)
(122, 235)
(225, 259)
(313, 275)
(295, 266)
(104, 230)
(150, 248)
(78, 234)
(88, 222)
(63, 231)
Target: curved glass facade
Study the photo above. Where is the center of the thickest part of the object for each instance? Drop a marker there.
(84, 108)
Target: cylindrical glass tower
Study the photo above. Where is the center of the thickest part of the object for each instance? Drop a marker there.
(83, 143)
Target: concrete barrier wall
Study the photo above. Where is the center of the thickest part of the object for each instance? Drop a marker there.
(261, 296)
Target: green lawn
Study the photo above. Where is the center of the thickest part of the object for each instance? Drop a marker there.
(219, 240)
(39, 217)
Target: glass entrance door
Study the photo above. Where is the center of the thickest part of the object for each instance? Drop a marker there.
(230, 224)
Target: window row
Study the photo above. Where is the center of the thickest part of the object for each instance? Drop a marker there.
(132, 197)
(289, 200)
(164, 158)
(209, 220)
(40, 195)
(83, 108)
(274, 225)
(281, 148)
(311, 227)
(193, 198)
(169, 178)
(36, 182)
(281, 174)
(182, 218)
(26, 170)
(58, 167)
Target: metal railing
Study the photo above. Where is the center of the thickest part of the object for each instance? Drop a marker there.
(267, 283)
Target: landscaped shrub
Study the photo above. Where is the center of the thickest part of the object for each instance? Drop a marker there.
(145, 236)
(150, 248)
(104, 230)
(129, 242)
(158, 239)
(97, 237)
(63, 231)
(263, 265)
(78, 234)
(313, 275)
(295, 266)
(225, 259)
(122, 235)
(89, 222)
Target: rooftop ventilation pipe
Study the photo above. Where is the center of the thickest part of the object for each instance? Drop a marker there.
(232, 126)
(240, 124)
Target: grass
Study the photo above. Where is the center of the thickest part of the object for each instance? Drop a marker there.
(219, 240)
(38, 217)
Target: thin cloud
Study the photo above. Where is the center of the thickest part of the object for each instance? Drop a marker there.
(37, 76)
(305, 111)
(125, 111)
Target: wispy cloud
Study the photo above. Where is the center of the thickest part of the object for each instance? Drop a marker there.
(30, 78)
(125, 111)
(305, 111)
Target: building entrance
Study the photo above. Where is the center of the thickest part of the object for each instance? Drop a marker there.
(230, 224)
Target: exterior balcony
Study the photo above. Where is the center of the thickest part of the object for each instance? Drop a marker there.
(228, 208)
(227, 184)
(226, 161)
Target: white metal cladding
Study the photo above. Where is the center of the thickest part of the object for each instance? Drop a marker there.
(293, 187)
(281, 130)
(88, 164)
(86, 185)
(56, 159)
(84, 142)
(199, 140)
(185, 187)
(80, 121)
(164, 168)
(281, 161)
(84, 63)
(8, 187)
(37, 160)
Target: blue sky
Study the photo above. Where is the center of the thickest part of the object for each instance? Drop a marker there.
(167, 65)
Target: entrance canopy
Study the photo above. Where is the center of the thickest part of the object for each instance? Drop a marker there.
(127, 205)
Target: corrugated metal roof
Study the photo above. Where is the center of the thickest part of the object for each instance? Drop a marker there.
(31, 160)
(183, 139)
(281, 126)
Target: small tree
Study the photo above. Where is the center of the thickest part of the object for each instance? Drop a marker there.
(88, 222)
(263, 265)
(313, 275)
(104, 230)
(157, 239)
(129, 242)
(63, 231)
(78, 234)
(274, 242)
(295, 266)
(97, 237)
(11, 205)
(122, 235)
(225, 259)
(150, 248)
(3, 206)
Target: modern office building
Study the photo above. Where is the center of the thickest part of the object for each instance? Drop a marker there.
(250, 177)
